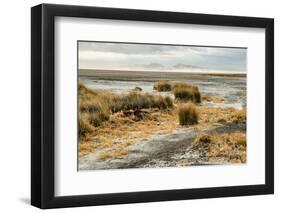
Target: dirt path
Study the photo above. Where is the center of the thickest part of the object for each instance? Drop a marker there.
(161, 150)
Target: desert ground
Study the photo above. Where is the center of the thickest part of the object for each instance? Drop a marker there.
(155, 119)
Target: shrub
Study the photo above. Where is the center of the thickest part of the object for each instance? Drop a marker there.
(97, 109)
(85, 93)
(84, 127)
(196, 95)
(239, 138)
(134, 101)
(91, 105)
(169, 102)
(96, 118)
(186, 92)
(98, 105)
(239, 116)
(222, 147)
(183, 94)
(95, 104)
(162, 102)
(162, 86)
(180, 85)
(188, 114)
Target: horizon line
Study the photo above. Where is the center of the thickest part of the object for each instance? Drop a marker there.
(193, 71)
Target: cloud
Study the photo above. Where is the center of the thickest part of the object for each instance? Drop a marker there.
(122, 48)
(100, 55)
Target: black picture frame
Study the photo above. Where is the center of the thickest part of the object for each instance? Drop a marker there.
(43, 105)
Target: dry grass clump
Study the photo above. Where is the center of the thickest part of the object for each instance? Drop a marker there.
(223, 147)
(239, 116)
(186, 92)
(99, 105)
(92, 101)
(85, 148)
(121, 130)
(85, 93)
(113, 154)
(238, 138)
(97, 118)
(94, 110)
(162, 86)
(182, 91)
(187, 114)
(209, 114)
(135, 100)
(95, 103)
(96, 107)
(84, 127)
(212, 99)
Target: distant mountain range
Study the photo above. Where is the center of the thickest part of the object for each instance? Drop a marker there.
(153, 66)
(185, 66)
(181, 68)
(161, 66)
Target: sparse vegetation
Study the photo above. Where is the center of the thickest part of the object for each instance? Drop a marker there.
(223, 147)
(84, 127)
(135, 100)
(106, 102)
(116, 154)
(122, 130)
(163, 86)
(239, 116)
(178, 85)
(187, 114)
(186, 92)
(96, 118)
(96, 107)
(110, 122)
(221, 114)
(85, 147)
(182, 91)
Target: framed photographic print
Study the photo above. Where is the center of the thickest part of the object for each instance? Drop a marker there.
(139, 106)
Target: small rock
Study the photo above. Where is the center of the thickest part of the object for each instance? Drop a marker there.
(137, 89)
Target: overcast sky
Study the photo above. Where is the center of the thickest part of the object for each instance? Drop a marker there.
(121, 56)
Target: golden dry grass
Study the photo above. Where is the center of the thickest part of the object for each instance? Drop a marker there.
(162, 86)
(84, 127)
(96, 101)
(239, 116)
(85, 148)
(119, 129)
(223, 147)
(136, 100)
(209, 114)
(122, 130)
(186, 92)
(187, 114)
(96, 107)
(115, 154)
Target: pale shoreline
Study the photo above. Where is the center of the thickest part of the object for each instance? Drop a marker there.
(123, 75)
